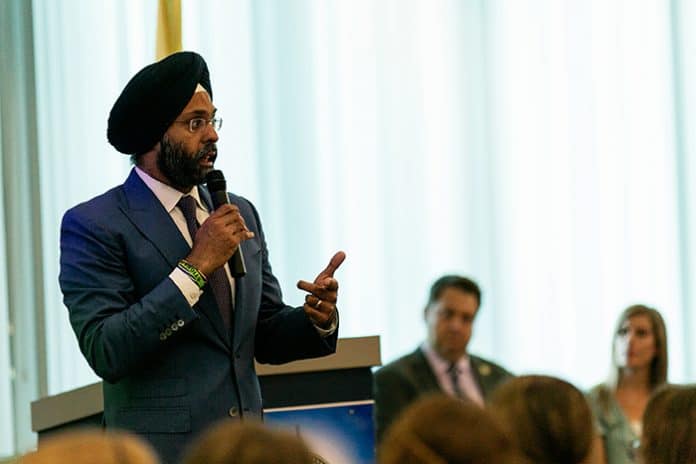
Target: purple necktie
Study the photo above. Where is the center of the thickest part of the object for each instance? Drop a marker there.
(218, 280)
(454, 377)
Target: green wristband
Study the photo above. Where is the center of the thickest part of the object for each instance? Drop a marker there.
(194, 274)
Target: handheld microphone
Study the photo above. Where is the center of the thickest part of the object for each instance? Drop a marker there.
(218, 192)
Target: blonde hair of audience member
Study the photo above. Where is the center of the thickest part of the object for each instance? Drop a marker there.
(235, 442)
(92, 446)
(439, 429)
(547, 418)
(669, 426)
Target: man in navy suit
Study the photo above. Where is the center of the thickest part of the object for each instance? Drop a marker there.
(145, 275)
(442, 363)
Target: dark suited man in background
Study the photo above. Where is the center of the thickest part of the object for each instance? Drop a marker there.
(441, 363)
(158, 312)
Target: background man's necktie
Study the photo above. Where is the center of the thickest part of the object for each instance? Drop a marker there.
(454, 377)
(218, 280)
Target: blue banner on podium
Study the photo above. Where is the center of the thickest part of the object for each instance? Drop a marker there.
(338, 433)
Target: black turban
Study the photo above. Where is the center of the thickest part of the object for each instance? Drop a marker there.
(153, 99)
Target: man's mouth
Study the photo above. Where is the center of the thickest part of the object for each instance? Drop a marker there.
(208, 158)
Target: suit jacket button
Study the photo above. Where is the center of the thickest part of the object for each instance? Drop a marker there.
(233, 411)
(168, 332)
(180, 322)
(163, 337)
(174, 327)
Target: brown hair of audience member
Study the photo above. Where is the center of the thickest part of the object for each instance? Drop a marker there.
(235, 442)
(548, 419)
(90, 446)
(669, 426)
(439, 429)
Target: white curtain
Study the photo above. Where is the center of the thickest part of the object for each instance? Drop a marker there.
(6, 372)
(85, 52)
(540, 147)
(585, 179)
(684, 43)
(528, 144)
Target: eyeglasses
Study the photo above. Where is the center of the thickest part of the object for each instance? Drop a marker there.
(198, 124)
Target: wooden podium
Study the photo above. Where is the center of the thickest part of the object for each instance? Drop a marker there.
(343, 376)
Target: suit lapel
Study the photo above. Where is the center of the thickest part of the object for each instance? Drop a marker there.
(244, 290)
(424, 372)
(149, 216)
(154, 222)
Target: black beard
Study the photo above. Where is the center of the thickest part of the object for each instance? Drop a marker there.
(181, 168)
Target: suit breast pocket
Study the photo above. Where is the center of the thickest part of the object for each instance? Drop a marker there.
(159, 405)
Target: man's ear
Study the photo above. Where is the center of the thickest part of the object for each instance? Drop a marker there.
(147, 160)
(158, 147)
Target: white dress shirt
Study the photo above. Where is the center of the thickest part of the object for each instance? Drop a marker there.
(169, 197)
(441, 366)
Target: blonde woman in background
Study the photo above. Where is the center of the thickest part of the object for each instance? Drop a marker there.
(639, 366)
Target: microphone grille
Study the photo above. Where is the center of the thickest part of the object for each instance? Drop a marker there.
(216, 181)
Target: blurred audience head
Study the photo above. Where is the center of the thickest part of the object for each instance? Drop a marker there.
(548, 419)
(449, 315)
(440, 429)
(669, 426)
(640, 341)
(92, 446)
(235, 442)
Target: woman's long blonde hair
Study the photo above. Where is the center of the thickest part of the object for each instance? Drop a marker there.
(658, 367)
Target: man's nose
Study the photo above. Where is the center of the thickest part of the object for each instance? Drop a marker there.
(210, 134)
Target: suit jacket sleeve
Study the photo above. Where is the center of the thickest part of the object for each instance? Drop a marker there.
(283, 333)
(117, 330)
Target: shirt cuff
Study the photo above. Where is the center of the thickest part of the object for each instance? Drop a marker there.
(332, 328)
(187, 286)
